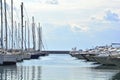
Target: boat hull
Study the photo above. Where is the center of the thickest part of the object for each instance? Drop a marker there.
(90, 58)
(105, 60)
(116, 61)
(9, 59)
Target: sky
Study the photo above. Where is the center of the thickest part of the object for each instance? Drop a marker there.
(73, 23)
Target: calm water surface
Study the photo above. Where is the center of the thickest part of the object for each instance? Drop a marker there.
(58, 67)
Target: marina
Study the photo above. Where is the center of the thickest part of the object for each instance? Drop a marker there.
(36, 45)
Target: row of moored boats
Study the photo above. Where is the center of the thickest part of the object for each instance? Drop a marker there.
(13, 48)
(11, 57)
(105, 55)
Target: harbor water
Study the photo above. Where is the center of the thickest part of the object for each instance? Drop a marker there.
(58, 67)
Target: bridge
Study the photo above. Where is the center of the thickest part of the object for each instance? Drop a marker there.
(56, 52)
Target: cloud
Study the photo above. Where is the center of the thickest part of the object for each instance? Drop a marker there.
(79, 28)
(52, 2)
(48, 2)
(110, 16)
(106, 16)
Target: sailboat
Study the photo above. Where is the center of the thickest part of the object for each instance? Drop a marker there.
(40, 43)
(8, 58)
(26, 53)
(34, 55)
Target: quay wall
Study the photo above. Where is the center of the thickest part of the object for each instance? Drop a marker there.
(57, 52)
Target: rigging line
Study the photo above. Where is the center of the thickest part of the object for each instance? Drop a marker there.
(10, 34)
(10, 39)
(43, 45)
(26, 12)
(9, 29)
(8, 25)
(17, 16)
(16, 13)
(8, 15)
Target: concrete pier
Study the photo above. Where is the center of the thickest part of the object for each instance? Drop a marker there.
(56, 52)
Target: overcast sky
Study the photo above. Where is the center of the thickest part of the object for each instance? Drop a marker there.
(74, 23)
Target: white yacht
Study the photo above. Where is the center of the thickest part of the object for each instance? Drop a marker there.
(93, 52)
(19, 56)
(105, 56)
(90, 56)
(116, 59)
(9, 58)
(26, 55)
(77, 54)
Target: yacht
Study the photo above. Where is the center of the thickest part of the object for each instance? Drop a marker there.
(9, 58)
(116, 59)
(105, 56)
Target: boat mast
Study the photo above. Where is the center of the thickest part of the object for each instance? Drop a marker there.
(25, 36)
(19, 37)
(12, 21)
(16, 36)
(1, 25)
(33, 32)
(22, 25)
(28, 35)
(6, 39)
(39, 38)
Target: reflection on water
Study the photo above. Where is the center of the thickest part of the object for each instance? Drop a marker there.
(58, 67)
(20, 73)
(8, 72)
